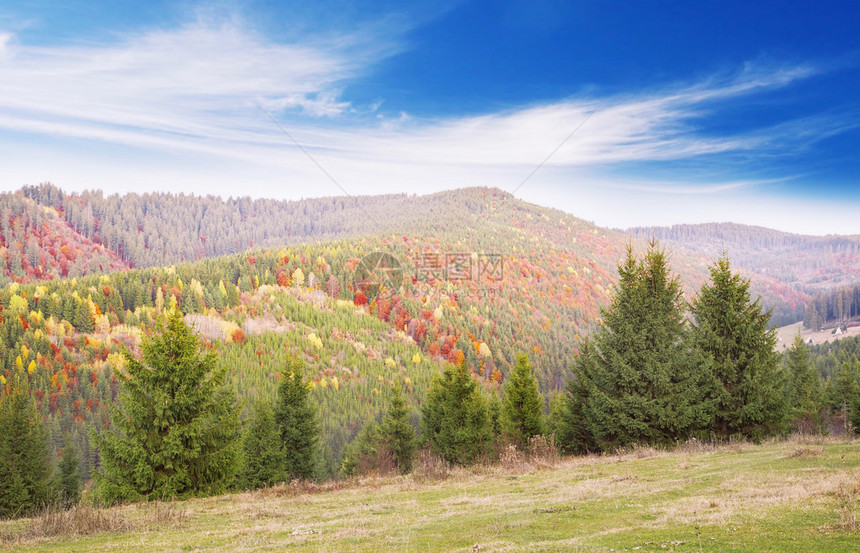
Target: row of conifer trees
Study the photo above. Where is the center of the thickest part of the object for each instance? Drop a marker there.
(656, 371)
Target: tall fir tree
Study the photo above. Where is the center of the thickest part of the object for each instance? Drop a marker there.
(844, 395)
(263, 459)
(747, 388)
(298, 425)
(522, 409)
(175, 432)
(83, 317)
(68, 484)
(636, 380)
(806, 392)
(24, 456)
(455, 420)
(397, 432)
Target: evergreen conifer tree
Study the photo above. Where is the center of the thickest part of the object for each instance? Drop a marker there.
(397, 432)
(68, 480)
(455, 421)
(747, 388)
(175, 432)
(263, 463)
(845, 394)
(522, 409)
(806, 388)
(24, 460)
(297, 423)
(636, 380)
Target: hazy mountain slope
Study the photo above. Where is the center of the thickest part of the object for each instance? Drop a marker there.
(36, 243)
(810, 263)
(553, 274)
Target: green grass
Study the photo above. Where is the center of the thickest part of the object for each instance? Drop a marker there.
(795, 495)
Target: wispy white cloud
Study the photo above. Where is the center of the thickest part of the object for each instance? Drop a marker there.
(194, 90)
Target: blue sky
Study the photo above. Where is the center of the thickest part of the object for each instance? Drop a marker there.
(686, 111)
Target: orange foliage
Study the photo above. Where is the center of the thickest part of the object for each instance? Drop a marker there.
(360, 299)
(497, 376)
(239, 336)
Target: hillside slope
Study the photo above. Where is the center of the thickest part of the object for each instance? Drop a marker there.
(791, 496)
(36, 243)
(159, 229)
(809, 263)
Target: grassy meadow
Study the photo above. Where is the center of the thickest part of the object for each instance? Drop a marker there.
(802, 494)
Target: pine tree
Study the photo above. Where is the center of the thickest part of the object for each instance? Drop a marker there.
(635, 379)
(297, 423)
(263, 453)
(805, 387)
(68, 480)
(24, 460)
(455, 421)
(83, 317)
(845, 394)
(362, 455)
(397, 432)
(175, 432)
(747, 388)
(522, 409)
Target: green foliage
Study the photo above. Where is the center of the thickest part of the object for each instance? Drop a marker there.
(807, 398)
(748, 385)
(636, 380)
(263, 459)
(24, 460)
(175, 431)
(843, 394)
(522, 409)
(362, 455)
(83, 318)
(297, 423)
(68, 481)
(397, 433)
(455, 420)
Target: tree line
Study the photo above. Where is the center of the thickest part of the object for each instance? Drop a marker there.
(648, 374)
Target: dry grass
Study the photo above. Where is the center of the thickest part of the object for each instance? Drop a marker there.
(848, 502)
(84, 520)
(802, 492)
(806, 453)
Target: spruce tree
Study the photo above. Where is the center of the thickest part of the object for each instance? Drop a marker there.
(263, 463)
(522, 409)
(635, 380)
(747, 387)
(24, 456)
(175, 432)
(83, 317)
(297, 423)
(68, 480)
(397, 432)
(845, 394)
(362, 455)
(455, 421)
(805, 387)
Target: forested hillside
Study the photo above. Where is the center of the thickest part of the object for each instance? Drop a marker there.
(160, 229)
(810, 263)
(36, 243)
(485, 278)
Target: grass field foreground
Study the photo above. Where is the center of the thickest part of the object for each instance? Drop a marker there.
(802, 494)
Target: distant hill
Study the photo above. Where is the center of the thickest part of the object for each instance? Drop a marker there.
(37, 243)
(484, 277)
(809, 263)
